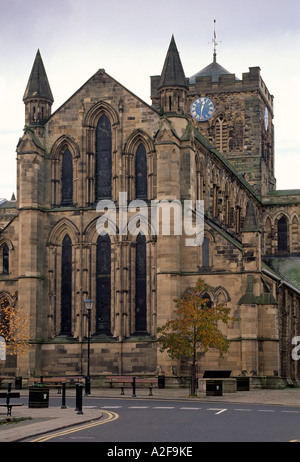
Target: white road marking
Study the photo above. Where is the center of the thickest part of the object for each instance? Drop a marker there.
(193, 408)
(111, 407)
(163, 407)
(217, 409)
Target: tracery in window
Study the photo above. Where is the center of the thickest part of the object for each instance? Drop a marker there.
(221, 134)
(282, 234)
(140, 285)
(66, 286)
(103, 174)
(141, 173)
(67, 179)
(103, 285)
(205, 252)
(5, 259)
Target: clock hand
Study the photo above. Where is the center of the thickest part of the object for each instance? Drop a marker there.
(202, 107)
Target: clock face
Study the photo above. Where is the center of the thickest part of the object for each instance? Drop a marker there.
(266, 117)
(202, 109)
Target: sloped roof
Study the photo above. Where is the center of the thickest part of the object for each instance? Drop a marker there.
(173, 73)
(38, 84)
(250, 222)
(213, 70)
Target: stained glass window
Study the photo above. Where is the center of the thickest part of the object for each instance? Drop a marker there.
(103, 182)
(66, 286)
(282, 234)
(103, 304)
(140, 290)
(141, 173)
(205, 252)
(5, 255)
(67, 179)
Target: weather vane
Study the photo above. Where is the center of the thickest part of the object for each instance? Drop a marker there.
(214, 41)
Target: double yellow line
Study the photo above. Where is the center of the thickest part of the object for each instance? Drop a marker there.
(110, 417)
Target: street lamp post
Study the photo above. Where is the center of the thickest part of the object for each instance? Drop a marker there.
(88, 305)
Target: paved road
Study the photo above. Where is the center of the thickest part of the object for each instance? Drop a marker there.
(179, 421)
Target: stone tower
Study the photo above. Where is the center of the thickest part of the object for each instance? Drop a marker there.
(31, 193)
(241, 125)
(172, 86)
(38, 97)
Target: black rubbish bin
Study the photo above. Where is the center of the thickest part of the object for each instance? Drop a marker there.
(38, 397)
(214, 388)
(18, 383)
(242, 384)
(161, 381)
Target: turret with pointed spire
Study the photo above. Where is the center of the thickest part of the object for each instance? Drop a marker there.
(173, 85)
(38, 97)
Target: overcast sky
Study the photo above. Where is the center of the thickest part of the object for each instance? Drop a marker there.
(130, 38)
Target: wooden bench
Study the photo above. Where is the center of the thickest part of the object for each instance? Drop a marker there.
(132, 381)
(8, 396)
(56, 382)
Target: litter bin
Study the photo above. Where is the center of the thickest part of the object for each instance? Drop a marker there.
(38, 397)
(161, 381)
(214, 388)
(242, 384)
(18, 383)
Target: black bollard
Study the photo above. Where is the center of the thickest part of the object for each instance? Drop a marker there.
(63, 397)
(87, 385)
(133, 387)
(79, 387)
(9, 385)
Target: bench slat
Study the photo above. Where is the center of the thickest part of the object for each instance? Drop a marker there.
(10, 394)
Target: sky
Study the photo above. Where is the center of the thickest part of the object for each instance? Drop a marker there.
(130, 39)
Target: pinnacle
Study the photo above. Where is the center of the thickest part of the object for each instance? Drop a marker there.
(38, 84)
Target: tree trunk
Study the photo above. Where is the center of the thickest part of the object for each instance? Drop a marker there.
(193, 378)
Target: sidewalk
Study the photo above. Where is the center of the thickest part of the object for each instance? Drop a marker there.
(40, 421)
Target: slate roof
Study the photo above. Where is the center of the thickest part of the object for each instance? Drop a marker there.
(38, 84)
(214, 70)
(173, 73)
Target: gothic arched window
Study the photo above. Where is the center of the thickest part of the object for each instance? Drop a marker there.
(103, 285)
(103, 174)
(221, 134)
(205, 252)
(5, 259)
(282, 233)
(66, 286)
(67, 179)
(209, 302)
(140, 285)
(268, 236)
(141, 173)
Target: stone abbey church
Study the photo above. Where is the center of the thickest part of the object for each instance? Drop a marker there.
(208, 137)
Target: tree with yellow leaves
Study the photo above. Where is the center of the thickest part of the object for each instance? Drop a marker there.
(195, 328)
(14, 327)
